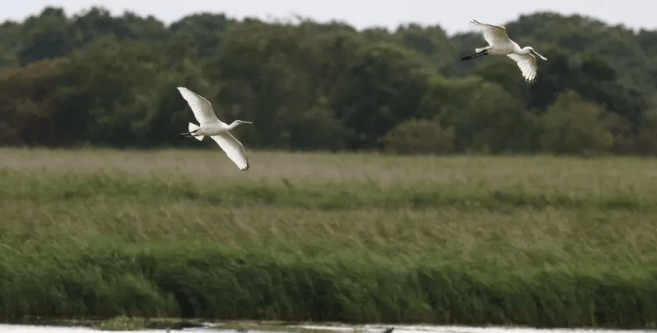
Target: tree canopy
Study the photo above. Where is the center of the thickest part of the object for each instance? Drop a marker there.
(93, 78)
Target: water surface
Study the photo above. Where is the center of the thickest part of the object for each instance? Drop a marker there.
(5, 328)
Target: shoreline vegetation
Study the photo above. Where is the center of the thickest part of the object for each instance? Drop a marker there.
(536, 241)
(123, 323)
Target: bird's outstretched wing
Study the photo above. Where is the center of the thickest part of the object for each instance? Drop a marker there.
(493, 34)
(201, 107)
(233, 149)
(527, 65)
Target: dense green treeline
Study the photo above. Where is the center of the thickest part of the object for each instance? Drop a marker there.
(93, 78)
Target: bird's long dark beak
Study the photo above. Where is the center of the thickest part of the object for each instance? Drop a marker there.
(476, 55)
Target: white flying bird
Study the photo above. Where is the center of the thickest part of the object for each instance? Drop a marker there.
(499, 43)
(213, 127)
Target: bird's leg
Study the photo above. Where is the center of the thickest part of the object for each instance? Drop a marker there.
(186, 135)
(183, 135)
(476, 55)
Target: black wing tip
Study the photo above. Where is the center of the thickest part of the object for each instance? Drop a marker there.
(246, 168)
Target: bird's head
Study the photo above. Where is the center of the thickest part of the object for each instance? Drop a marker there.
(239, 122)
(536, 53)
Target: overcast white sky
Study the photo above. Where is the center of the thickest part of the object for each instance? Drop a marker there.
(452, 15)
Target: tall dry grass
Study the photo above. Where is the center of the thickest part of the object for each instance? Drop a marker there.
(540, 241)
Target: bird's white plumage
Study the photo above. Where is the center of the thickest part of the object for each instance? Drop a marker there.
(526, 63)
(493, 34)
(500, 43)
(201, 107)
(193, 127)
(233, 148)
(213, 127)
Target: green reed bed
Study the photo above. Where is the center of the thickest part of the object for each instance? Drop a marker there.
(540, 241)
(214, 281)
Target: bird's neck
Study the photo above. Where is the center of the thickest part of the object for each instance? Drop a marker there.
(525, 50)
(233, 125)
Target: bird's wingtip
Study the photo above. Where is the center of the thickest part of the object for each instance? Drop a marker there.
(182, 89)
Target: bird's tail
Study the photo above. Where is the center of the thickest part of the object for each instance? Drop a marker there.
(193, 127)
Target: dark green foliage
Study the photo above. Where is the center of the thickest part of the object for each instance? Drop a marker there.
(384, 86)
(419, 136)
(46, 36)
(574, 126)
(27, 114)
(313, 86)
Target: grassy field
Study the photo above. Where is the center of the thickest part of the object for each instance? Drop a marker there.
(540, 241)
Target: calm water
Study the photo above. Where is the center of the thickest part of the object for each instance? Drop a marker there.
(339, 329)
